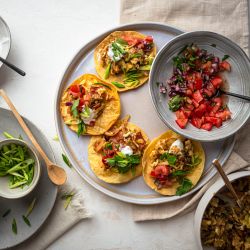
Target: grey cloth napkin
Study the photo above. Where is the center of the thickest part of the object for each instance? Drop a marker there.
(230, 18)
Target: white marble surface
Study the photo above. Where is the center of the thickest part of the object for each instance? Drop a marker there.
(45, 36)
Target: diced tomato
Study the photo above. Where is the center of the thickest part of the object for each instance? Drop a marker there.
(199, 112)
(131, 40)
(189, 106)
(187, 112)
(224, 115)
(218, 103)
(149, 39)
(190, 85)
(75, 88)
(198, 81)
(197, 96)
(207, 92)
(207, 126)
(161, 170)
(180, 114)
(197, 122)
(214, 120)
(188, 100)
(189, 92)
(216, 81)
(211, 88)
(207, 66)
(224, 65)
(153, 173)
(182, 123)
(195, 103)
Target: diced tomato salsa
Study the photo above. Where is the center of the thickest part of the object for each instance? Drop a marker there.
(194, 89)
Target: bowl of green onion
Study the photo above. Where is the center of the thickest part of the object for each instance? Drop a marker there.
(19, 169)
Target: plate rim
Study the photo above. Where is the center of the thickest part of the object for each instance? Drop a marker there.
(57, 116)
(150, 81)
(10, 38)
(56, 188)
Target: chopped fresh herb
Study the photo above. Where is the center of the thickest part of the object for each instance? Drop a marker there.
(225, 57)
(81, 128)
(118, 85)
(68, 198)
(145, 67)
(14, 226)
(121, 41)
(55, 138)
(108, 145)
(169, 157)
(185, 186)
(132, 78)
(6, 213)
(124, 163)
(8, 136)
(178, 62)
(26, 220)
(180, 173)
(195, 160)
(30, 207)
(16, 163)
(136, 55)
(213, 45)
(107, 71)
(66, 160)
(85, 112)
(74, 108)
(175, 103)
(102, 84)
(183, 49)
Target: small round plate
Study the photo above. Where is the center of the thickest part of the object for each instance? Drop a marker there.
(45, 192)
(237, 81)
(5, 40)
(138, 104)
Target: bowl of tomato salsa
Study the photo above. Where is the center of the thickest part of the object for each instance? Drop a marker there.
(186, 80)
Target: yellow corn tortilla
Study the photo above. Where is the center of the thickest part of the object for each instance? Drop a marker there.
(108, 175)
(120, 77)
(108, 116)
(147, 160)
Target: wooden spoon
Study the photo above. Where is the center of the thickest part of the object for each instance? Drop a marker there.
(227, 182)
(56, 174)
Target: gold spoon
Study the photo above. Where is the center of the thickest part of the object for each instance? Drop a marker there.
(227, 182)
(56, 174)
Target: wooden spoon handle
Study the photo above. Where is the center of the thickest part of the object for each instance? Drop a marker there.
(24, 126)
(226, 180)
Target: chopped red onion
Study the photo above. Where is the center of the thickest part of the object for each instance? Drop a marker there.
(69, 103)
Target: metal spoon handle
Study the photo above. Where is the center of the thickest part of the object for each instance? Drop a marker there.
(247, 98)
(15, 68)
(226, 180)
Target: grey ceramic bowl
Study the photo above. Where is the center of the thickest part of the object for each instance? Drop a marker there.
(238, 81)
(15, 193)
(207, 197)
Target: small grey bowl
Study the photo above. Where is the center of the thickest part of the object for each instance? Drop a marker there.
(237, 81)
(15, 193)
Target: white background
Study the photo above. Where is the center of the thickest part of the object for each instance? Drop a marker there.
(45, 36)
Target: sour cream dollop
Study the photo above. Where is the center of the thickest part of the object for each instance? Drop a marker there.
(87, 119)
(176, 147)
(112, 56)
(127, 150)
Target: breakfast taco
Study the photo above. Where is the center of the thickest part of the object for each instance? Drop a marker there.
(172, 165)
(90, 106)
(115, 157)
(124, 59)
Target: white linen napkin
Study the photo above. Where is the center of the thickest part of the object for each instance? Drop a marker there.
(59, 221)
(229, 18)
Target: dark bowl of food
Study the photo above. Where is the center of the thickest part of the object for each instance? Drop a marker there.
(219, 222)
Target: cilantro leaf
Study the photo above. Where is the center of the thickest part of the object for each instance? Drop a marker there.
(169, 157)
(74, 107)
(180, 173)
(225, 57)
(81, 128)
(175, 103)
(185, 186)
